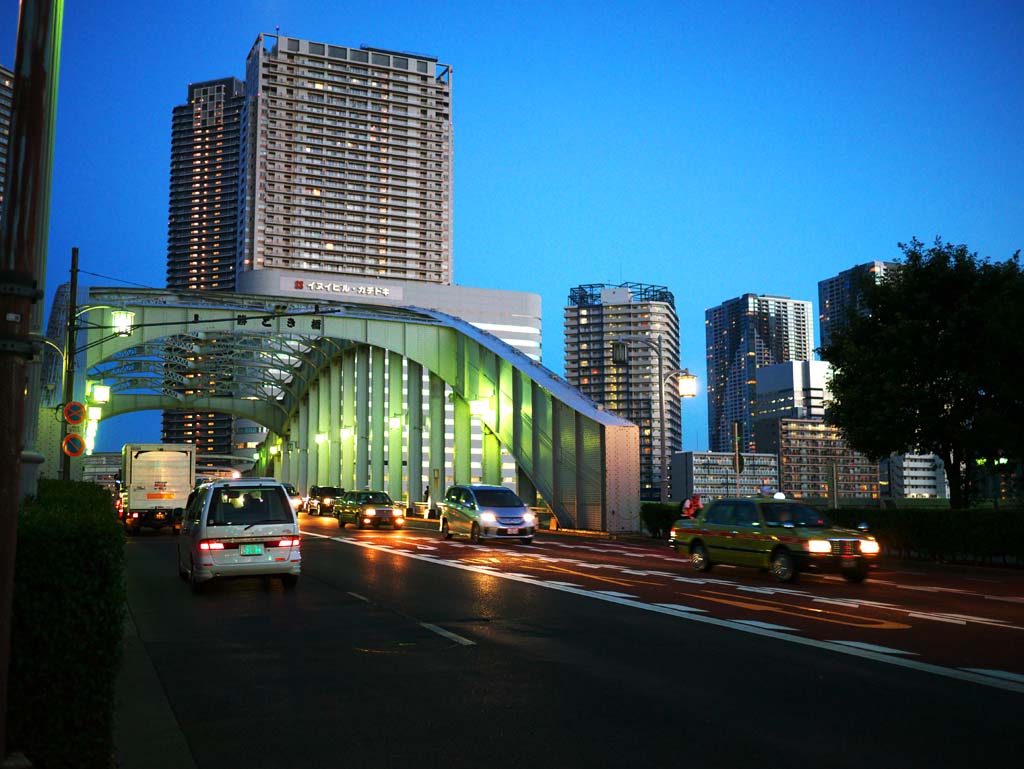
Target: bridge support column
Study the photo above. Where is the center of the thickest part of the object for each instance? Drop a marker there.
(377, 434)
(414, 398)
(334, 423)
(490, 460)
(395, 427)
(312, 428)
(348, 419)
(286, 453)
(325, 450)
(302, 448)
(463, 443)
(525, 488)
(362, 417)
(435, 426)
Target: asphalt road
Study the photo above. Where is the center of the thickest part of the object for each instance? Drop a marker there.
(396, 650)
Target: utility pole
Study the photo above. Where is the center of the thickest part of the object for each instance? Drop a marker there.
(69, 363)
(22, 277)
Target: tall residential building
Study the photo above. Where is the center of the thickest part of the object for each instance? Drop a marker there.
(713, 475)
(6, 111)
(815, 461)
(841, 295)
(347, 162)
(743, 334)
(793, 389)
(643, 315)
(202, 230)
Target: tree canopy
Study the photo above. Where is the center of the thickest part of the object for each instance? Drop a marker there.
(933, 362)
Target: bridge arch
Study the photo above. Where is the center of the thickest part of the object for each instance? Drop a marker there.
(355, 375)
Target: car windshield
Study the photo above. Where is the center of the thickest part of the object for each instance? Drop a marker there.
(795, 514)
(249, 505)
(373, 498)
(497, 498)
(331, 491)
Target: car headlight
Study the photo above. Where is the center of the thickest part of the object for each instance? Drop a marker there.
(529, 517)
(869, 546)
(370, 511)
(328, 500)
(488, 518)
(819, 546)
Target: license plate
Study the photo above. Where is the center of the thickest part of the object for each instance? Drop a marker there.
(849, 562)
(160, 516)
(513, 531)
(250, 549)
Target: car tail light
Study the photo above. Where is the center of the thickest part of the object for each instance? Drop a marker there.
(211, 544)
(135, 515)
(289, 542)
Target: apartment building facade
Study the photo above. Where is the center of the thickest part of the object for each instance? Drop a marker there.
(644, 318)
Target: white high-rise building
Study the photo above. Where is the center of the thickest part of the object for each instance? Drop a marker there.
(644, 316)
(347, 161)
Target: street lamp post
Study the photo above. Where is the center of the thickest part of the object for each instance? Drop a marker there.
(687, 389)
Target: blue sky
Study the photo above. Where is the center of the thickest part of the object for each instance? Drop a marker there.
(715, 148)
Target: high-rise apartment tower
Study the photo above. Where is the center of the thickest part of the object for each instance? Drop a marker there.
(641, 316)
(202, 230)
(742, 334)
(348, 162)
(841, 295)
(6, 110)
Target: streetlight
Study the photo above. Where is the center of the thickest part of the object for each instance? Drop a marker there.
(686, 388)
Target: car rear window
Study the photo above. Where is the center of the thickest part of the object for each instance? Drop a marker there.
(497, 498)
(248, 505)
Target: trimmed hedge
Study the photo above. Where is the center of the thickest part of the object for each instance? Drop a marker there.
(66, 628)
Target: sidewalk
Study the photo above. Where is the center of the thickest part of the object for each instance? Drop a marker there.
(146, 733)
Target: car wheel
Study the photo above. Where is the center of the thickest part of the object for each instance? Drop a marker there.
(783, 566)
(445, 531)
(195, 584)
(474, 534)
(182, 574)
(699, 557)
(289, 581)
(527, 540)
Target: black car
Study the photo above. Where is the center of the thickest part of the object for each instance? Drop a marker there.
(322, 499)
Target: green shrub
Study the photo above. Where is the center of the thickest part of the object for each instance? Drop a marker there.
(68, 612)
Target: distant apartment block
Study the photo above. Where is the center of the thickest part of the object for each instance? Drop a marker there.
(742, 335)
(6, 113)
(814, 459)
(643, 316)
(913, 476)
(841, 295)
(712, 474)
(347, 162)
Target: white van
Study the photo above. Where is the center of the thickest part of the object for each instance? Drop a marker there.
(237, 528)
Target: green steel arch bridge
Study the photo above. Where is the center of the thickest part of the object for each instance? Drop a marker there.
(355, 394)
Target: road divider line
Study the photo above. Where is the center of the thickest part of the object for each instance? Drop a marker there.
(447, 634)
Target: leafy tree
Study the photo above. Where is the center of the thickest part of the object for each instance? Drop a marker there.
(933, 364)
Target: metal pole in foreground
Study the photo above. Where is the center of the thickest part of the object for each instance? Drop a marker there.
(22, 276)
(69, 362)
(661, 424)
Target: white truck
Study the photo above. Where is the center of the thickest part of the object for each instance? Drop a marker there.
(157, 479)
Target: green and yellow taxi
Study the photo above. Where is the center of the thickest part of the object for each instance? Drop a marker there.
(784, 536)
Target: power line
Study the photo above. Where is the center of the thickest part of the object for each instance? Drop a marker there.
(119, 280)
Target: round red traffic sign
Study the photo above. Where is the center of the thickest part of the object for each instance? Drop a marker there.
(73, 445)
(74, 413)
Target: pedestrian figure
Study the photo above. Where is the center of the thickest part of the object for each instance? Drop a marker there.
(426, 493)
(686, 509)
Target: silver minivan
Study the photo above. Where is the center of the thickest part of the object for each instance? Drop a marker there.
(485, 512)
(237, 528)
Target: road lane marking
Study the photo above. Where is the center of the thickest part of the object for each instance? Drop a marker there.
(766, 625)
(997, 674)
(872, 648)
(448, 634)
(1006, 682)
(806, 612)
(938, 618)
(360, 597)
(680, 607)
